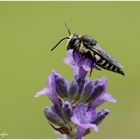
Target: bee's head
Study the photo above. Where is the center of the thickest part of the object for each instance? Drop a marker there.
(88, 41)
(73, 42)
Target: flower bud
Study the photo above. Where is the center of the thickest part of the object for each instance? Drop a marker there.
(61, 86)
(53, 117)
(101, 116)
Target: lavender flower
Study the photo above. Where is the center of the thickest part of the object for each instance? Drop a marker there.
(73, 113)
(80, 65)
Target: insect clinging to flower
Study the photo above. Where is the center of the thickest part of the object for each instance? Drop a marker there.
(88, 47)
(73, 113)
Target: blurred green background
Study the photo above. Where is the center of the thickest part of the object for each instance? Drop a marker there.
(28, 30)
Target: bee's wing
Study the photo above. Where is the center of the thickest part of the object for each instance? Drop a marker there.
(97, 49)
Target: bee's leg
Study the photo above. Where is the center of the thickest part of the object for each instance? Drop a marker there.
(90, 72)
(96, 67)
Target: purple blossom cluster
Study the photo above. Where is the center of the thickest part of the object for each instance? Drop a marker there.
(73, 113)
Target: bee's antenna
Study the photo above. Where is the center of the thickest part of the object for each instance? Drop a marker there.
(59, 42)
(67, 28)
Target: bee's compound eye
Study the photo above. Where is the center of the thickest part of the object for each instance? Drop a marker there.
(88, 40)
(94, 43)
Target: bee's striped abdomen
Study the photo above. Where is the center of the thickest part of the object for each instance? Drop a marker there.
(105, 64)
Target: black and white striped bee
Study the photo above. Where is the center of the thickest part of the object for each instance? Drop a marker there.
(88, 47)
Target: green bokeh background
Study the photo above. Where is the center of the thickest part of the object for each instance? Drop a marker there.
(28, 30)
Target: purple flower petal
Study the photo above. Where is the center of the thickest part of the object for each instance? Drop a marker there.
(61, 86)
(97, 92)
(83, 128)
(92, 115)
(104, 98)
(82, 73)
(87, 91)
(51, 95)
(69, 59)
(77, 62)
(67, 111)
(98, 89)
(73, 90)
(82, 61)
(101, 116)
(42, 92)
(87, 64)
(53, 117)
(80, 114)
(81, 83)
(82, 118)
(51, 81)
(108, 98)
(57, 84)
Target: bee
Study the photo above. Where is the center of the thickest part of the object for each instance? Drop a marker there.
(89, 48)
